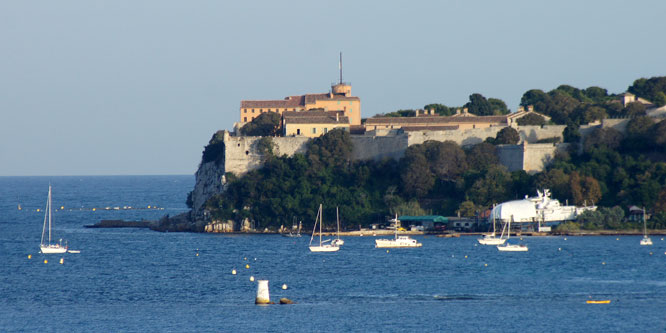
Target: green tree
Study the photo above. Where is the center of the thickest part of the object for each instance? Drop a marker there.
(507, 136)
(446, 159)
(531, 119)
(440, 109)
(481, 156)
(607, 138)
(571, 133)
(266, 124)
(634, 109)
(479, 105)
(416, 177)
(498, 106)
(467, 209)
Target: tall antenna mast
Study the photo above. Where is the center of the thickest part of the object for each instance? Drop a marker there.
(340, 66)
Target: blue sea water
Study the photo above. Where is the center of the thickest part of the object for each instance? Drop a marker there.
(137, 280)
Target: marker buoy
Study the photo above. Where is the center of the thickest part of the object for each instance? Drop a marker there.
(197, 254)
(263, 295)
(465, 257)
(233, 272)
(29, 256)
(603, 262)
(247, 266)
(617, 238)
(284, 286)
(485, 265)
(387, 251)
(565, 238)
(46, 261)
(251, 278)
(62, 260)
(559, 249)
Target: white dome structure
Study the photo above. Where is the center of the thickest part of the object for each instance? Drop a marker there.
(536, 209)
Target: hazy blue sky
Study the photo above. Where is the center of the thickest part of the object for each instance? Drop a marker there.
(138, 87)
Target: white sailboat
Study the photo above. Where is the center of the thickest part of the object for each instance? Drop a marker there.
(338, 241)
(645, 240)
(510, 247)
(398, 241)
(324, 245)
(46, 246)
(492, 238)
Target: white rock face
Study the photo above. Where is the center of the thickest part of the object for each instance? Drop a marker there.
(209, 181)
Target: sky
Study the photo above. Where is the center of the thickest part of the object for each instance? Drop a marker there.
(139, 87)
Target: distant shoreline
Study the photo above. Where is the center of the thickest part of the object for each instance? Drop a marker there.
(385, 232)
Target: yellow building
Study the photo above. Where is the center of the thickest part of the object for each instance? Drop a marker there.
(313, 123)
(339, 98)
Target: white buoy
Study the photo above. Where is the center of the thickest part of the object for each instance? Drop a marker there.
(263, 296)
(284, 286)
(251, 278)
(62, 261)
(233, 272)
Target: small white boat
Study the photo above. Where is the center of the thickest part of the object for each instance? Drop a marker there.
(492, 238)
(324, 245)
(73, 251)
(46, 246)
(398, 241)
(297, 234)
(512, 248)
(645, 240)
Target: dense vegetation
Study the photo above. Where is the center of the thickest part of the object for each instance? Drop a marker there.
(611, 169)
(566, 105)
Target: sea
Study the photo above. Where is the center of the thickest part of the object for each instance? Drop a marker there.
(138, 280)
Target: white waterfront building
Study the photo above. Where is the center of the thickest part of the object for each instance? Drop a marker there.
(541, 209)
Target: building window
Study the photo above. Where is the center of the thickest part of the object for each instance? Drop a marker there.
(298, 131)
(244, 110)
(314, 131)
(245, 119)
(269, 110)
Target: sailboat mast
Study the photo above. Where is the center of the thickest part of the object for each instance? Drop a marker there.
(337, 216)
(321, 221)
(49, 210)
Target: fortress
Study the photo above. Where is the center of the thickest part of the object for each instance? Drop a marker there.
(378, 138)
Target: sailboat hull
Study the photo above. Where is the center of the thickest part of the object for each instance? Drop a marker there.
(512, 248)
(401, 241)
(646, 241)
(491, 241)
(324, 248)
(55, 248)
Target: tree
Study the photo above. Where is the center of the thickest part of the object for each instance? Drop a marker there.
(608, 138)
(446, 159)
(467, 209)
(492, 187)
(498, 106)
(571, 133)
(634, 109)
(481, 156)
(650, 89)
(584, 189)
(440, 109)
(479, 105)
(416, 178)
(507, 136)
(266, 124)
(531, 119)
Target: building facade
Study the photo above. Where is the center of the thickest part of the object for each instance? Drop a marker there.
(339, 98)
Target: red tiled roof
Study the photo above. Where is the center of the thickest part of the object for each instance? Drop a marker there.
(294, 101)
(289, 102)
(434, 120)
